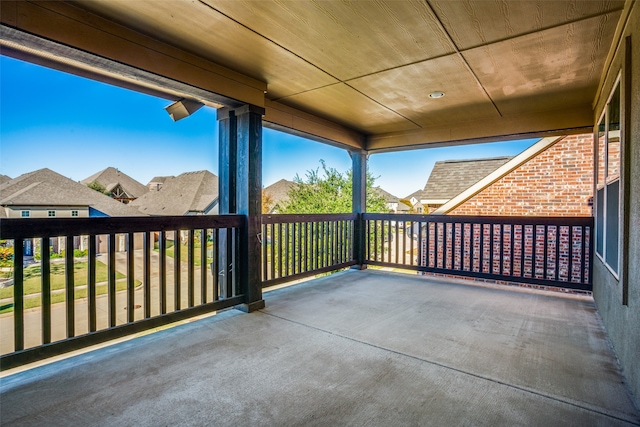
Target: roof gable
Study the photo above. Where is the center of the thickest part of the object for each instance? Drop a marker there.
(187, 193)
(111, 178)
(388, 197)
(503, 170)
(451, 177)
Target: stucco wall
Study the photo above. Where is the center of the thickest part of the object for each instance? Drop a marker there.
(556, 182)
(622, 322)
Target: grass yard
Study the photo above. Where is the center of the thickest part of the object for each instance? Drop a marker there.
(184, 252)
(33, 285)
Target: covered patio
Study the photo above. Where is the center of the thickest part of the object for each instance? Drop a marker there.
(359, 347)
(353, 348)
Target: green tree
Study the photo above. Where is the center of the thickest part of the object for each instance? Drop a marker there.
(95, 185)
(329, 191)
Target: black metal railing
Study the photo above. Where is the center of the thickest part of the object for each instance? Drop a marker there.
(95, 279)
(553, 251)
(297, 246)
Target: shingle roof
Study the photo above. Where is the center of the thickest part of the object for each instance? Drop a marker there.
(45, 187)
(511, 164)
(418, 194)
(278, 192)
(111, 177)
(388, 197)
(159, 179)
(451, 177)
(187, 193)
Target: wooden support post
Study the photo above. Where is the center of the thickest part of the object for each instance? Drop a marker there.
(227, 165)
(359, 204)
(249, 203)
(240, 191)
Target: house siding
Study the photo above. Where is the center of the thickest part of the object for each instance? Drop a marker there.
(556, 182)
(623, 320)
(43, 211)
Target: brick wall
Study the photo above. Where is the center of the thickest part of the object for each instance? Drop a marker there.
(557, 182)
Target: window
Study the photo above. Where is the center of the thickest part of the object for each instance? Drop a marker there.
(52, 213)
(74, 213)
(25, 214)
(608, 146)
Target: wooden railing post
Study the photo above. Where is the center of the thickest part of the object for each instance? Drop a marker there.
(359, 204)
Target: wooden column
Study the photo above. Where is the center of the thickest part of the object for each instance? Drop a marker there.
(227, 161)
(227, 169)
(249, 203)
(359, 204)
(240, 189)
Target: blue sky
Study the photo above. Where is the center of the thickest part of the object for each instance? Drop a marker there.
(77, 127)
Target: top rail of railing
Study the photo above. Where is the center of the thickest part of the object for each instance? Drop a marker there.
(22, 228)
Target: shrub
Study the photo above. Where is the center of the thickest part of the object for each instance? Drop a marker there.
(6, 256)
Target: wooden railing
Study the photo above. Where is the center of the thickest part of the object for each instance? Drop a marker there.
(133, 274)
(127, 275)
(554, 251)
(297, 246)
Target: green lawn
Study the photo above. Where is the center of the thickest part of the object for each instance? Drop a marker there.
(184, 254)
(33, 286)
(32, 278)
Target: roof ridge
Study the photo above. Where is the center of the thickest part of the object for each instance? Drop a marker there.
(475, 160)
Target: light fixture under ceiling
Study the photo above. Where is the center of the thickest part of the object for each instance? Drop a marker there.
(437, 94)
(183, 108)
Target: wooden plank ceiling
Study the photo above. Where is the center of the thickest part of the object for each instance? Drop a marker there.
(506, 67)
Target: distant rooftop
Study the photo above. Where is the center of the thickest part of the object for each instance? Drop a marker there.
(45, 187)
(451, 177)
(388, 197)
(111, 178)
(190, 193)
(278, 193)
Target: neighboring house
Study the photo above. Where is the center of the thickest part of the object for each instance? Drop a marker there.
(47, 194)
(190, 193)
(412, 203)
(390, 200)
(276, 195)
(118, 185)
(554, 177)
(451, 177)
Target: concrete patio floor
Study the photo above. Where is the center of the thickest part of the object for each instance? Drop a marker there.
(354, 348)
